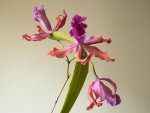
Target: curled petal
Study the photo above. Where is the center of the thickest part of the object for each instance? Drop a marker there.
(87, 59)
(92, 99)
(61, 53)
(99, 90)
(41, 17)
(35, 37)
(61, 19)
(111, 82)
(96, 39)
(94, 51)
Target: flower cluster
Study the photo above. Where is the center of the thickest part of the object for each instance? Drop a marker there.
(97, 90)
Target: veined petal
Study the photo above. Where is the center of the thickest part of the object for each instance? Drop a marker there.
(36, 37)
(61, 53)
(61, 19)
(97, 53)
(96, 39)
(41, 17)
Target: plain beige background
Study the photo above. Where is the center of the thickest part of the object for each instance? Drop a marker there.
(30, 81)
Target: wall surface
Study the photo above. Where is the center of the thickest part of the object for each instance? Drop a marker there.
(31, 81)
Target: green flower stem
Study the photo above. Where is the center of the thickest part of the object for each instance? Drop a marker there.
(94, 70)
(68, 76)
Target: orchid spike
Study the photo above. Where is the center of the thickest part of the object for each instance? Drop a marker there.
(40, 16)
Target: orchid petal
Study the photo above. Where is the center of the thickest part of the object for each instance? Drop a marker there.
(111, 82)
(79, 35)
(96, 39)
(90, 94)
(78, 28)
(41, 17)
(78, 20)
(78, 54)
(93, 89)
(36, 37)
(60, 22)
(87, 59)
(97, 53)
(40, 30)
(90, 106)
(105, 91)
(61, 53)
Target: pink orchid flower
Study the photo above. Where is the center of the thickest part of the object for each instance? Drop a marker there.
(40, 16)
(99, 90)
(79, 34)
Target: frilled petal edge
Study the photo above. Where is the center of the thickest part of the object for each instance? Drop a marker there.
(94, 51)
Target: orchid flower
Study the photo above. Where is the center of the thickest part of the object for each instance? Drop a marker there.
(40, 16)
(99, 90)
(78, 33)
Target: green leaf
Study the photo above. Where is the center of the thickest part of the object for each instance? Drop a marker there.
(61, 36)
(78, 79)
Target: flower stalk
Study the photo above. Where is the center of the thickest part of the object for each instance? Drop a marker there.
(96, 77)
(68, 76)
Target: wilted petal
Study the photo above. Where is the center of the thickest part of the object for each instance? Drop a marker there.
(96, 39)
(35, 37)
(41, 17)
(61, 19)
(61, 53)
(97, 53)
